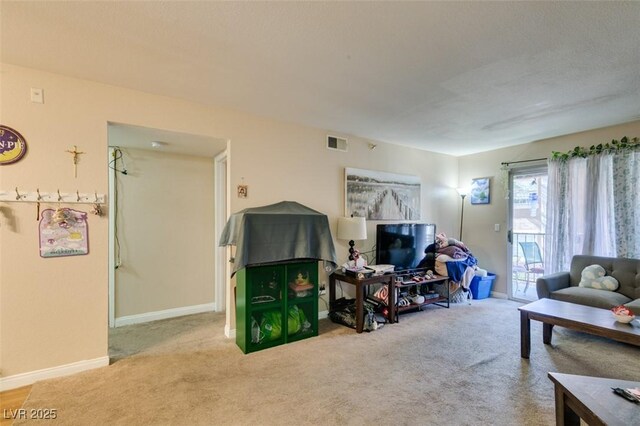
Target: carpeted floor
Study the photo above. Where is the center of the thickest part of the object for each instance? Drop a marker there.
(458, 366)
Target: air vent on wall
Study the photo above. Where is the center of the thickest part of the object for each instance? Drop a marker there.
(336, 143)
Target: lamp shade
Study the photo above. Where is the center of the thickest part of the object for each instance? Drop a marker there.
(352, 228)
(463, 191)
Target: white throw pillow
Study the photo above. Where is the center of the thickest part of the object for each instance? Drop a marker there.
(593, 276)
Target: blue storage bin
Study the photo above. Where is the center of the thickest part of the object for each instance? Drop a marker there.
(481, 286)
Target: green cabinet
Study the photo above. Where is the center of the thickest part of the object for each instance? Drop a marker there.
(276, 304)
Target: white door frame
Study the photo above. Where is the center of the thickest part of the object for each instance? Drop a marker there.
(221, 199)
(514, 172)
(510, 237)
(112, 260)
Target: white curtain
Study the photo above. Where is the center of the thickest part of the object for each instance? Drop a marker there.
(593, 207)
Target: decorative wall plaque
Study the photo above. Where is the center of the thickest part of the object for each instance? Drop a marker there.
(12, 145)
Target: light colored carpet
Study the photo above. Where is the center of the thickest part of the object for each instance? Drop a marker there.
(458, 366)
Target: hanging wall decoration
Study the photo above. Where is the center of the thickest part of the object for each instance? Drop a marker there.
(381, 195)
(75, 154)
(480, 191)
(63, 232)
(12, 145)
(243, 191)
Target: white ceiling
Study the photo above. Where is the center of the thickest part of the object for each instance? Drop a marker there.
(450, 77)
(126, 135)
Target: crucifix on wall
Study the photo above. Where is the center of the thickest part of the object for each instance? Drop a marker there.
(75, 154)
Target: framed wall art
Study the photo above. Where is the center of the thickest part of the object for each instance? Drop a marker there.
(480, 191)
(243, 191)
(381, 195)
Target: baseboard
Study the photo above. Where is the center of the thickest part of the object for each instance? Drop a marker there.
(167, 313)
(29, 378)
(499, 295)
(229, 332)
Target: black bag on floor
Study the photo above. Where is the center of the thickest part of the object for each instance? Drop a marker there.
(345, 313)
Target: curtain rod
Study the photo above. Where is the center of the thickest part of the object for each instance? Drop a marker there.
(506, 163)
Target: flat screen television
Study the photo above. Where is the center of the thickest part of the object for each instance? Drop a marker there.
(403, 244)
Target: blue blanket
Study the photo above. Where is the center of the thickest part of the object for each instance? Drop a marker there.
(456, 269)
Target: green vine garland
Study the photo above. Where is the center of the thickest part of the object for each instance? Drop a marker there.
(624, 144)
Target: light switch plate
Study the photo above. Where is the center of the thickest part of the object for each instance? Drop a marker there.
(37, 96)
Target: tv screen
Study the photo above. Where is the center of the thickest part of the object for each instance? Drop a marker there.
(403, 244)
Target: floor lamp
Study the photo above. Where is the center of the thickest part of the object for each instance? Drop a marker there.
(463, 193)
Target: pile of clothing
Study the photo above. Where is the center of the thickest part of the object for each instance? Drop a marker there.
(454, 260)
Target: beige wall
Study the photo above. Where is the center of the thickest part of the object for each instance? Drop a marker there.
(54, 311)
(165, 230)
(488, 246)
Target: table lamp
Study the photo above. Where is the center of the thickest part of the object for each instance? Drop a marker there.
(352, 228)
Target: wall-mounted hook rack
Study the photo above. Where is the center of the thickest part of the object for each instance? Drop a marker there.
(36, 196)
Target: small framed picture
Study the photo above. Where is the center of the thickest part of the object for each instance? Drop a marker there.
(480, 191)
(242, 191)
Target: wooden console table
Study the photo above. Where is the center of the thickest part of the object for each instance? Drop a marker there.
(592, 399)
(360, 285)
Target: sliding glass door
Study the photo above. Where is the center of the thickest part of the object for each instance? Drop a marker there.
(527, 219)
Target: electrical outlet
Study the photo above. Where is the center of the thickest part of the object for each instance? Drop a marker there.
(323, 289)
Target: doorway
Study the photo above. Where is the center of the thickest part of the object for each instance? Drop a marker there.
(166, 201)
(527, 227)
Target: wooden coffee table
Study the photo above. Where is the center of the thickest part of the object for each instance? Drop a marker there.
(592, 399)
(599, 322)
